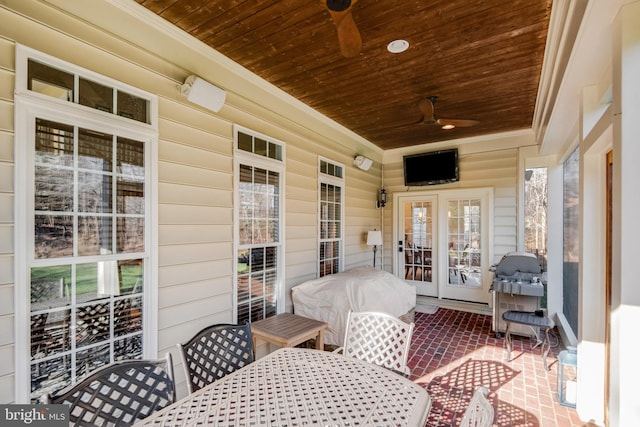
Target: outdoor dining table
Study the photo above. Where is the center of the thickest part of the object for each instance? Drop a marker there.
(298, 386)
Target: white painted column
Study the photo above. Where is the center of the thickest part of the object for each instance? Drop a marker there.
(624, 404)
(592, 289)
(554, 240)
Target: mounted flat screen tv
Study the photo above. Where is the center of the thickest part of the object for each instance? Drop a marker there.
(435, 167)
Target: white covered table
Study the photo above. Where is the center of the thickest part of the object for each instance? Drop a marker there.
(295, 386)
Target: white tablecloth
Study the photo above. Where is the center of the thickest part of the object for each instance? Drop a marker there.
(294, 386)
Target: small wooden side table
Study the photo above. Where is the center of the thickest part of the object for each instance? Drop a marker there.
(288, 330)
(530, 319)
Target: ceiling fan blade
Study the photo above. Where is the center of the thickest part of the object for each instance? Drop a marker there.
(459, 123)
(348, 34)
(426, 107)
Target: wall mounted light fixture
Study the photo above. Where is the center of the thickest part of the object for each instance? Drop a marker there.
(382, 199)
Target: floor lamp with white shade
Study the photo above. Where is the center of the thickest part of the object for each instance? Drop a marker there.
(374, 238)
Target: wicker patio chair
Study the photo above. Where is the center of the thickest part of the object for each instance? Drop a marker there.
(214, 352)
(119, 394)
(378, 338)
(479, 413)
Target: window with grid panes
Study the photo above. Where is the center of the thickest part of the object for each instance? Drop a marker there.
(259, 170)
(86, 258)
(331, 209)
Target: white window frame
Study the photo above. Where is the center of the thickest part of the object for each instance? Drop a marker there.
(255, 160)
(324, 178)
(28, 106)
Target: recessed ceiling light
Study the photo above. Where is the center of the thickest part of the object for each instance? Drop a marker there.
(398, 46)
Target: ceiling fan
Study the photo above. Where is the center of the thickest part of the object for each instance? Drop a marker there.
(348, 34)
(427, 107)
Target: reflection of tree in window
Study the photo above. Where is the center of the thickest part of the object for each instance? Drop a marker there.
(535, 213)
(258, 228)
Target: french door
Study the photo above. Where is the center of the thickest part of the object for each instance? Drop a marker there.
(416, 257)
(444, 243)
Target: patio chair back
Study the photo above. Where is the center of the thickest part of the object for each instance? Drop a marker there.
(214, 352)
(378, 338)
(120, 393)
(479, 413)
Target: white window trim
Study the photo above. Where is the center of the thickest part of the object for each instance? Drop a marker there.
(28, 106)
(23, 54)
(337, 181)
(256, 160)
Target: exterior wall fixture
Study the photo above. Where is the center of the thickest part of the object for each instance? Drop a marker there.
(362, 162)
(203, 93)
(382, 199)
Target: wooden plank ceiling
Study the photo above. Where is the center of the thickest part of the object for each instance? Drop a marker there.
(481, 58)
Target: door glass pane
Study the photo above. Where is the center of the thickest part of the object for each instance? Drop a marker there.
(464, 239)
(418, 241)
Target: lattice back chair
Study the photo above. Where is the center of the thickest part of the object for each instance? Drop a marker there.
(378, 338)
(120, 393)
(479, 413)
(214, 352)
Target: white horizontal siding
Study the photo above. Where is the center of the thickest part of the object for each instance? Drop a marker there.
(6, 300)
(192, 253)
(173, 275)
(6, 269)
(187, 313)
(193, 156)
(183, 234)
(179, 194)
(6, 145)
(7, 356)
(7, 385)
(7, 82)
(184, 214)
(187, 292)
(193, 176)
(6, 330)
